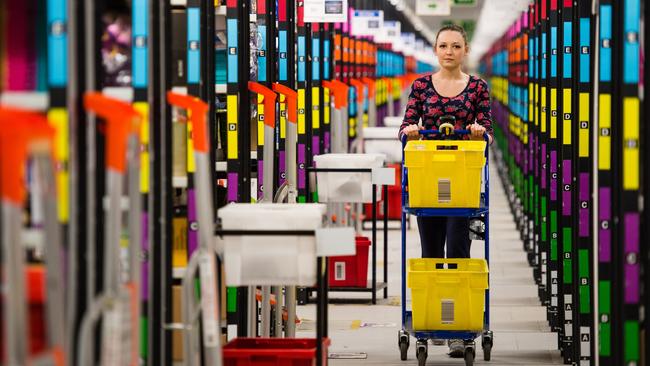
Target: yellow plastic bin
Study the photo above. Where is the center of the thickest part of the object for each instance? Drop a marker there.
(446, 298)
(444, 174)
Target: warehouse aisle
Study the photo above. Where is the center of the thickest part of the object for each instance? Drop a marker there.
(521, 334)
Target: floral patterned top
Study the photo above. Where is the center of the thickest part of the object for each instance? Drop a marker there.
(472, 104)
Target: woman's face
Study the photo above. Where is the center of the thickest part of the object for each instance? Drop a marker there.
(451, 49)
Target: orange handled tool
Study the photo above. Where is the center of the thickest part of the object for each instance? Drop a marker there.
(358, 84)
(292, 101)
(15, 142)
(340, 91)
(198, 110)
(268, 100)
(371, 86)
(121, 118)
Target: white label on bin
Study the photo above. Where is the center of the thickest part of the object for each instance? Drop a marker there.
(444, 190)
(339, 271)
(447, 311)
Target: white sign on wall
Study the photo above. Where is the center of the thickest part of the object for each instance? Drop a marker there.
(367, 22)
(325, 11)
(433, 7)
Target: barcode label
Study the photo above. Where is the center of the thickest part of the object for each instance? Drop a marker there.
(447, 311)
(339, 271)
(444, 190)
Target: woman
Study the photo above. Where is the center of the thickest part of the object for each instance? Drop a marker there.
(448, 92)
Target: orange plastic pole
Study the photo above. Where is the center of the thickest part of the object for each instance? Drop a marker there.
(292, 100)
(122, 119)
(198, 110)
(269, 97)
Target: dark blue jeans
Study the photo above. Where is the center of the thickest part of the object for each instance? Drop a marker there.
(434, 231)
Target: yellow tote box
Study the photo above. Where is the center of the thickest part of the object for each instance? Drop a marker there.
(446, 298)
(444, 173)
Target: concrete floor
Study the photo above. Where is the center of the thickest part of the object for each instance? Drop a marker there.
(521, 334)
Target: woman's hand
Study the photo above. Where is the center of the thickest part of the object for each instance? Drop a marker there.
(412, 132)
(476, 131)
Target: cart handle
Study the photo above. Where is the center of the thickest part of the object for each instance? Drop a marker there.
(389, 85)
(121, 119)
(371, 86)
(32, 132)
(359, 85)
(198, 110)
(291, 100)
(438, 132)
(340, 91)
(269, 97)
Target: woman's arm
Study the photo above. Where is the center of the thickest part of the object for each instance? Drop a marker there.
(413, 113)
(483, 110)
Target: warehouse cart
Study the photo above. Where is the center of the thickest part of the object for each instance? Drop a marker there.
(474, 269)
(27, 135)
(373, 286)
(202, 261)
(117, 305)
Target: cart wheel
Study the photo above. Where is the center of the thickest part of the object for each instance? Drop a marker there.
(403, 342)
(422, 359)
(487, 352)
(487, 343)
(469, 356)
(403, 351)
(421, 352)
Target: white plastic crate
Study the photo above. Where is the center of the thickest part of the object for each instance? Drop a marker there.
(271, 260)
(344, 186)
(383, 140)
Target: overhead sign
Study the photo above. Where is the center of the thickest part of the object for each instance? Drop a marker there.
(467, 3)
(433, 7)
(390, 32)
(408, 41)
(468, 24)
(325, 11)
(367, 22)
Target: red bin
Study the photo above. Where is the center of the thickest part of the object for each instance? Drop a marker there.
(273, 352)
(352, 270)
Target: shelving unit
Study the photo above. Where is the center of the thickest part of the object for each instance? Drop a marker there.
(168, 45)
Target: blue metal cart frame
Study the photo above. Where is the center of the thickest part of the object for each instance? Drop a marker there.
(423, 336)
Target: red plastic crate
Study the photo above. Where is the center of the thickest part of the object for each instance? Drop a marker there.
(394, 206)
(273, 352)
(352, 270)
